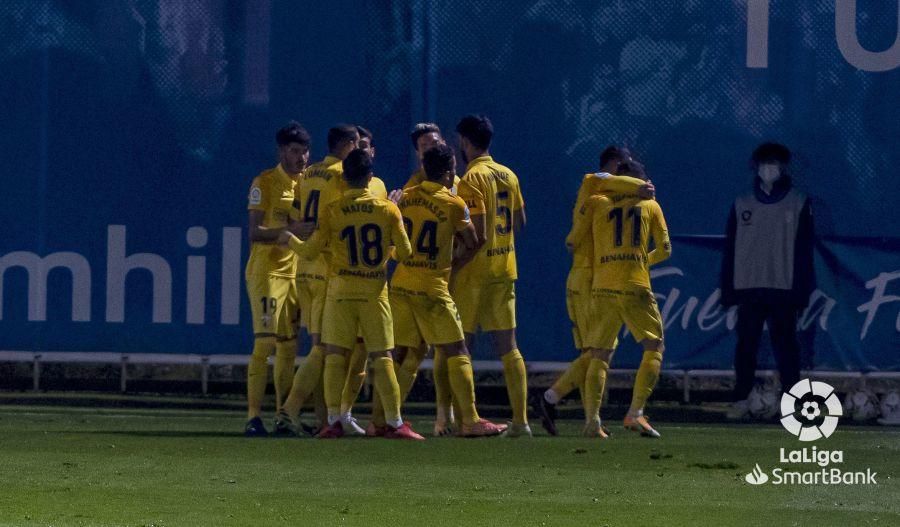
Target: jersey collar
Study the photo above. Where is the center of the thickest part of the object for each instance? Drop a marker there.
(599, 175)
(479, 160)
(331, 160)
(356, 192)
(282, 176)
(432, 187)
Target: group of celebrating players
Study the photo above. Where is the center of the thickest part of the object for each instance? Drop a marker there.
(321, 239)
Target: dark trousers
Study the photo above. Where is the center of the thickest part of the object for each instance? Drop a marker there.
(782, 322)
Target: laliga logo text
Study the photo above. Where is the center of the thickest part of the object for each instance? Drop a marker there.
(810, 411)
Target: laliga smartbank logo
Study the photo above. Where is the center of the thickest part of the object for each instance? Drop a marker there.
(810, 411)
(819, 409)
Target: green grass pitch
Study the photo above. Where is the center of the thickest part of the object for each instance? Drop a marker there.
(62, 466)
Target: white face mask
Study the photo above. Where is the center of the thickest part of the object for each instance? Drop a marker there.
(769, 173)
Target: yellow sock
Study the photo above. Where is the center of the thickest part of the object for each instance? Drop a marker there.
(385, 381)
(378, 418)
(573, 377)
(308, 376)
(462, 381)
(645, 381)
(283, 370)
(408, 371)
(319, 407)
(334, 376)
(442, 389)
(594, 383)
(356, 376)
(516, 385)
(257, 373)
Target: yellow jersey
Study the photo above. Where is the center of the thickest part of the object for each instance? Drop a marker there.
(492, 190)
(359, 230)
(621, 227)
(271, 192)
(323, 183)
(591, 185)
(418, 177)
(431, 216)
(319, 186)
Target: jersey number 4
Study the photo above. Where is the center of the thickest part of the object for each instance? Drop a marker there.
(311, 212)
(365, 244)
(634, 214)
(426, 243)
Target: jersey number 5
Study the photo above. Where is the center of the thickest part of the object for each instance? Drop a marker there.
(369, 246)
(634, 214)
(504, 214)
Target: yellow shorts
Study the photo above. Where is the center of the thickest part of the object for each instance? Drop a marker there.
(419, 317)
(578, 302)
(311, 294)
(273, 303)
(490, 306)
(636, 308)
(370, 318)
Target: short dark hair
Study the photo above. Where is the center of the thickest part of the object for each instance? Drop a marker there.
(293, 132)
(437, 161)
(364, 132)
(768, 152)
(357, 165)
(339, 134)
(614, 153)
(421, 129)
(477, 129)
(632, 168)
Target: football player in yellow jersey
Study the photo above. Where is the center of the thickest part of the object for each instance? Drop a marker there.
(270, 274)
(359, 230)
(484, 288)
(319, 186)
(578, 283)
(420, 298)
(620, 227)
(425, 136)
(358, 361)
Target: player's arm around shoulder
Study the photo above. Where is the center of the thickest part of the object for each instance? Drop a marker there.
(399, 238)
(473, 198)
(312, 247)
(662, 249)
(581, 224)
(466, 240)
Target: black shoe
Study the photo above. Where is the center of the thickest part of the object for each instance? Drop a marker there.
(547, 412)
(255, 428)
(283, 426)
(311, 431)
